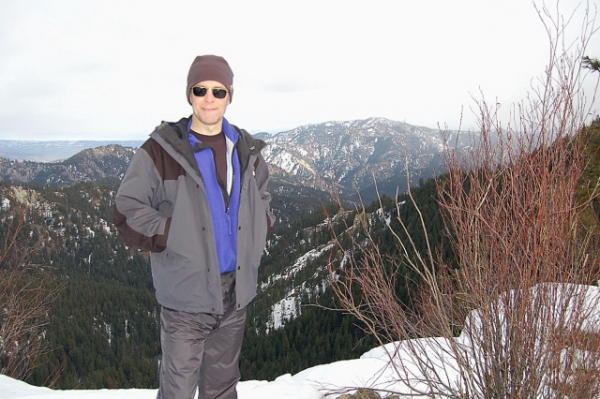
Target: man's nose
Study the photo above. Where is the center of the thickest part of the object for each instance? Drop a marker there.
(209, 95)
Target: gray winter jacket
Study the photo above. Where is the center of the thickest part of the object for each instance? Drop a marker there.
(161, 207)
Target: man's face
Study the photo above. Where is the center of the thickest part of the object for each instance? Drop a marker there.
(208, 110)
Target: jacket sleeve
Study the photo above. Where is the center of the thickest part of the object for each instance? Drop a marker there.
(261, 173)
(136, 213)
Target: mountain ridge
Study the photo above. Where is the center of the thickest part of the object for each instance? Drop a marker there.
(346, 157)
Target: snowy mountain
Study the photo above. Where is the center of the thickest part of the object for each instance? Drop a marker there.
(52, 151)
(109, 161)
(349, 156)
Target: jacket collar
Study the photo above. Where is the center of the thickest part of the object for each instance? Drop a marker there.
(231, 134)
(176, 135)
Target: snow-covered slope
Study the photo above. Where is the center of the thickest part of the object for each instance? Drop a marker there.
(374, 369)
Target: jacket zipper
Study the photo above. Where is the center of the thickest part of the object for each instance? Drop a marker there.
(223, 187)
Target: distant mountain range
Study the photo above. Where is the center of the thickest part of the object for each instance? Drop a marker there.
(348, 157)
(53, 151)
(351, 156)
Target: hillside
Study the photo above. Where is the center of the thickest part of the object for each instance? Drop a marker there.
(103, 325)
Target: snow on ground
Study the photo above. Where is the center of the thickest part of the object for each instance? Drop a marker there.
(311, 383)
(372, 370)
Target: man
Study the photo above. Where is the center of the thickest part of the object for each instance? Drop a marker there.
(195, 196)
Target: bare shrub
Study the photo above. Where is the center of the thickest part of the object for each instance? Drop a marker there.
(26, 292)
(514, 315)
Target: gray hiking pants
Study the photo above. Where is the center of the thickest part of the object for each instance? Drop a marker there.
(201, 350)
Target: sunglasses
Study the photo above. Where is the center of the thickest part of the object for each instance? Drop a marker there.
(200, 91)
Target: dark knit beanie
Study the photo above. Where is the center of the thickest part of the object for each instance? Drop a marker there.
(210, 67)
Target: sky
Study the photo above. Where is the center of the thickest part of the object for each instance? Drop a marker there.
(114, 69)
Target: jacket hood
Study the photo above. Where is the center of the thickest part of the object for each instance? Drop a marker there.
(175, 134)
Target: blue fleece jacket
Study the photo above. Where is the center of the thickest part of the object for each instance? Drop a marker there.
(224, 206)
